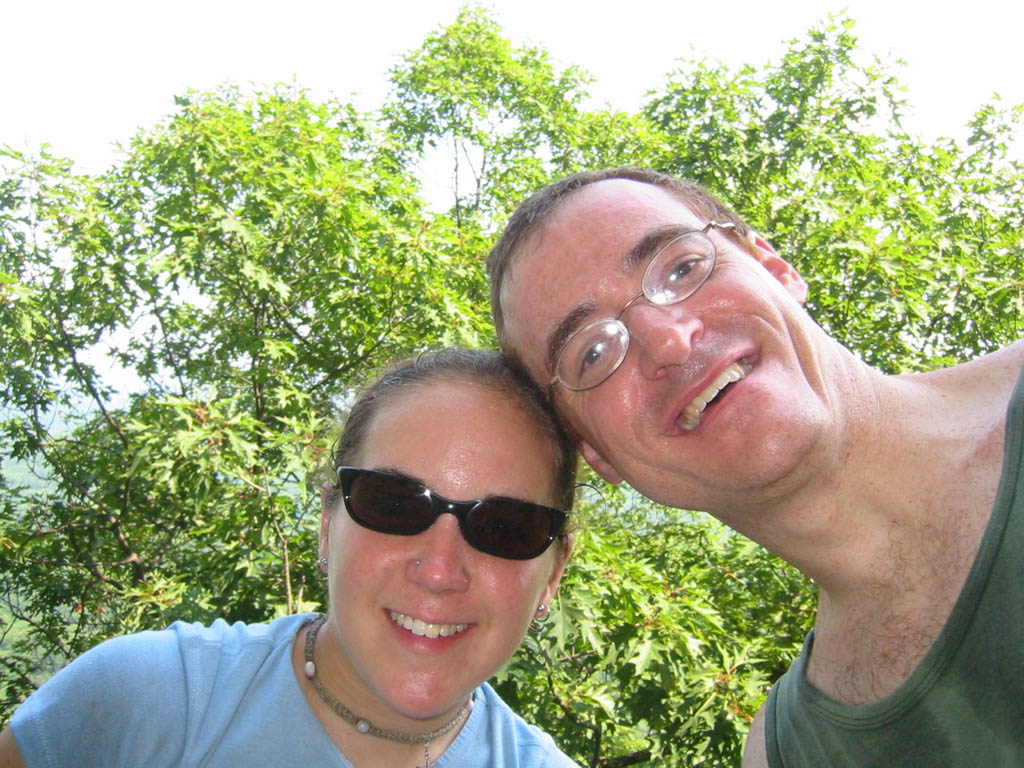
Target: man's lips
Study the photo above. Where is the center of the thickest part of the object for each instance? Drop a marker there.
(692, 415)
(425, 629)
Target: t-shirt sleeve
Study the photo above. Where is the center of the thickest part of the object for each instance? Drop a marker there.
(122, 703)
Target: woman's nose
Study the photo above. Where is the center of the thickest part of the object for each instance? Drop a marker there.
(437, 559)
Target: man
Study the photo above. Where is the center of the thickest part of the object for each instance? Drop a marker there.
(672, 339)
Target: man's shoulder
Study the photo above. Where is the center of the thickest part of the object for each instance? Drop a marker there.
(998, 370)
(755, 753)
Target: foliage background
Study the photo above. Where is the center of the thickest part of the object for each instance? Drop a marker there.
(180, 333)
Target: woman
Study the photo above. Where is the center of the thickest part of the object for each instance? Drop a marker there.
(427, 598)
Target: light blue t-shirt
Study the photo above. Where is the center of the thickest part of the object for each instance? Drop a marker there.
(222, 696)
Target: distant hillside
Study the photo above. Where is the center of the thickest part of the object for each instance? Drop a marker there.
(18, 473)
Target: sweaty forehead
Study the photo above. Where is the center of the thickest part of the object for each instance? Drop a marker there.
(616, 206)
(581, 258)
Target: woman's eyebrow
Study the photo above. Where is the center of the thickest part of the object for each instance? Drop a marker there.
(390, 470)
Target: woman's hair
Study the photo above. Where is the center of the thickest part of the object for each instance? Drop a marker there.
(470, 366)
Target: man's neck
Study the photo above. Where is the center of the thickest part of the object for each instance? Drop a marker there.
(891, 533)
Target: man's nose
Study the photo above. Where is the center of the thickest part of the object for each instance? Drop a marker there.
(663, 336)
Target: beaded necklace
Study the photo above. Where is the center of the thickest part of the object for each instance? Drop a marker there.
(363, 725)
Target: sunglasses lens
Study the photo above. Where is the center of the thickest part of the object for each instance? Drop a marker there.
(509, 528)
(503, 527)
(388, 504)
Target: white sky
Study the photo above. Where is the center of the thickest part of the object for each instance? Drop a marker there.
(83, 75)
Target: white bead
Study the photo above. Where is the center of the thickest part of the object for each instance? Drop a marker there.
(362, 726)
(310, 670)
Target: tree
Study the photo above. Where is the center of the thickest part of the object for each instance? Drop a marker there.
(913, 250)
(667, 632)
(501, 112)
(180, 334)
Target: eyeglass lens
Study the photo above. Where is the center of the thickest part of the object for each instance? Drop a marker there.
(594, 352)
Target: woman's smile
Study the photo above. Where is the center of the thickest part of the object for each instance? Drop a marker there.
(424, 628)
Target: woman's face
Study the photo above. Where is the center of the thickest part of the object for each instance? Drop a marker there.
(464, 442)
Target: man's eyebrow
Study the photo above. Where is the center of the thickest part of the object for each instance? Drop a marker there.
(650, 244)
(565, 329)
(647, 246)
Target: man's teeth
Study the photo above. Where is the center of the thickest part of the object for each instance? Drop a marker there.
(420, 627)
(694, 412)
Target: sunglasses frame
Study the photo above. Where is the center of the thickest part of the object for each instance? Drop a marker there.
(439, 505)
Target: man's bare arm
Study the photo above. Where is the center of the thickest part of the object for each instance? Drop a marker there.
(755, 755)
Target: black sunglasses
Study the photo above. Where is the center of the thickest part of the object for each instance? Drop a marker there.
(389, 503)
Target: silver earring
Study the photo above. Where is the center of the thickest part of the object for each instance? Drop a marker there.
(323, 563)
(537, 622)
(417, 562)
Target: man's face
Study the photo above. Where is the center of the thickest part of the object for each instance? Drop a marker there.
(647, 423)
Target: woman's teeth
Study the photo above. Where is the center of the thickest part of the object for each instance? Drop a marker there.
(420, 627)
(694, 412)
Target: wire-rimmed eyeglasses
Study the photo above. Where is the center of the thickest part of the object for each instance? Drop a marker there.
(595, 351)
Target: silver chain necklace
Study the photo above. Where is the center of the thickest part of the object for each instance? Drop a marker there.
(363, 725)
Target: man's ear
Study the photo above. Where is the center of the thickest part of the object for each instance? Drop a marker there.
(598, 463)
(779, 268)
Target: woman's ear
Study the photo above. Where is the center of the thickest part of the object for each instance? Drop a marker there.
(777, 266)
(564, 551)
(325, 518)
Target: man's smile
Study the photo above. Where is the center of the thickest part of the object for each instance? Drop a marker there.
(693, 413)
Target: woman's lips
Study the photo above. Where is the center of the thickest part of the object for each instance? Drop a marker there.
(425, 629)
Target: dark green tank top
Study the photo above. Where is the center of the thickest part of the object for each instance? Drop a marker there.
(964, 703)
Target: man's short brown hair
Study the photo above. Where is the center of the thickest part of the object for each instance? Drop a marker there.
(535, 211)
